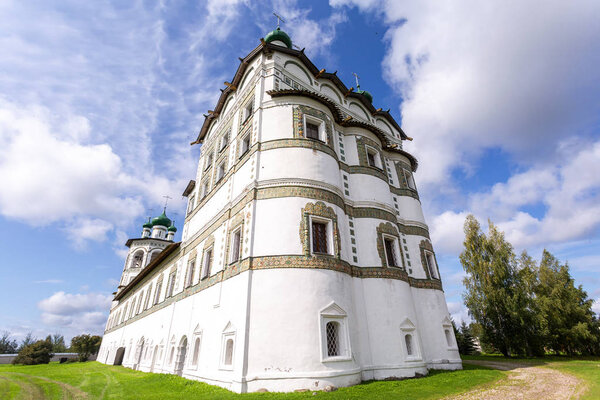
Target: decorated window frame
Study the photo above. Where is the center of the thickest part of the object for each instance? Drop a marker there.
(334, 315)
(319, 212)
(227, 357)
(428, 260)
(387, 231)
(319, 123)
(412, 353)
(448, 332)
(373, 157)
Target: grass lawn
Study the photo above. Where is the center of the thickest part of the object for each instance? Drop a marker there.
(98, 381)
(585, 368)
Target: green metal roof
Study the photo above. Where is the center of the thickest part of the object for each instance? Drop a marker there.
(280, 35)
(161, 220)
(365, 93)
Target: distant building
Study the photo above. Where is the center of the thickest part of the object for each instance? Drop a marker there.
(305, 259)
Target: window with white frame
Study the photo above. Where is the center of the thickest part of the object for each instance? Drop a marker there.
(321, 235)
(236, 245)
(245, 145)
(390, 245)
(207, 262)
(373, 158)
(189, 277)
(410, 342)
(228, 347)
(171, 283)
(209, 160)
(430, 259)
(410, 181)
(335, 342)
(196, 350)
(158, 289)
(221, 171)
(314, 128)
(248, 111)
(224, 141)
(204, 190)
(191, 203)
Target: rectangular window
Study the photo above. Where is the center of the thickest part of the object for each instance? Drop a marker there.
(224, 141)
(389, 252)
(204, 191)
(191, 202)
(312, 131)
(147, 300)
(207, 264)
(209, 161)
(171, 284)
(157, 293)
(410, 181)
(236, 239)
(221, 171)
(431, 265)
(319, 237)
(245, 145)
(248, 111)
(190, 273)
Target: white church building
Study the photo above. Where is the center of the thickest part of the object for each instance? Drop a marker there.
(305, 260)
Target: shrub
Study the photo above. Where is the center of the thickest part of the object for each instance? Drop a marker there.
(39, 352)
(85, 346)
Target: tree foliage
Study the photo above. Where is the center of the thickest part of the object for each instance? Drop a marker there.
(522, 308)
(85, 345)
(58, 343)
(8, 345)
(39, 352)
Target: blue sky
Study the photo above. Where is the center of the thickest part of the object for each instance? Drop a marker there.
(98, 104)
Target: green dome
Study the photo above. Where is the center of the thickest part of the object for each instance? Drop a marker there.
(172, 228)
(161, 220)
(148, 224)
(278, 34)
(365, 93)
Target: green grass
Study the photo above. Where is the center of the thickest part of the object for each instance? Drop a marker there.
(110, 382)
(585, 368)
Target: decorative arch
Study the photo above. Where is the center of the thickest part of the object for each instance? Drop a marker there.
(298, 71)
(137, 258)
(328, 90)
(358, 110)
(228, 106)
(152, 255)
(245, 79)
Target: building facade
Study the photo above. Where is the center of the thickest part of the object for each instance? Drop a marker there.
(305, 260)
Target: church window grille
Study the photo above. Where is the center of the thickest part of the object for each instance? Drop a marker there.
(171, 283)
(319, 237)
(207, 263)
(390, 252)
(333, 339)
(409, 344)
(236, 240)
(190, 273)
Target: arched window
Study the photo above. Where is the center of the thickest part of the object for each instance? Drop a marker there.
(332, 330)
(153, 256)
(171, 355)
(409, 344)
(448, 337)
(228, 352)
(196, 352)
(136, 261)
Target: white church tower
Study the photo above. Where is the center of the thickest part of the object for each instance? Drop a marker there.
(305, 260)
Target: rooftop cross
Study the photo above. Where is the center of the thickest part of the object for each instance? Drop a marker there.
(356, 76)
(167, 198)
(279, 19)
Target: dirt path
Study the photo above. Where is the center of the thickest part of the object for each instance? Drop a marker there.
(525, 381)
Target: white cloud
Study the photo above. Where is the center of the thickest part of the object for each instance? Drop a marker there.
(52, 281)
(75, 313)
(596, 306)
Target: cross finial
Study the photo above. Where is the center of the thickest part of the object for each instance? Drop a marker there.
(279, 19)
(167, 198)
(356, 76)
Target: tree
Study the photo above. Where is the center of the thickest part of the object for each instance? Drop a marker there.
(27, 340)
(466, 344)
(7, 344)
(58, 343)
(39, 352)
(85, 345)
(491, 290)
(570, 323)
